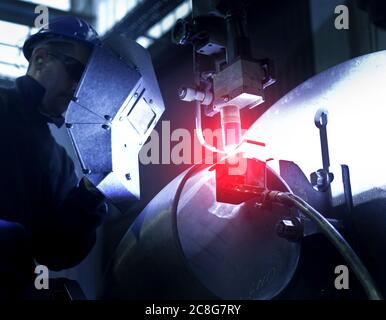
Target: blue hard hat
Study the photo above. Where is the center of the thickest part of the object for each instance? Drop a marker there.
(66, 27)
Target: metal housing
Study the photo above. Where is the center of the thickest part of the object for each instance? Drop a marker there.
(114, 110)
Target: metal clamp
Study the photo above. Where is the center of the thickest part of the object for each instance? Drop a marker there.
(322, 178)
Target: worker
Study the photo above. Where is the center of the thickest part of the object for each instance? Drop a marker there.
(47, 216)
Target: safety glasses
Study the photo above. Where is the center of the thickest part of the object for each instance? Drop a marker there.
(73, 67)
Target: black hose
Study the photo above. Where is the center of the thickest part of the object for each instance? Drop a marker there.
(334, 236)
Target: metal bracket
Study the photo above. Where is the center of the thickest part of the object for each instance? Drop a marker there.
(299, 185)
(322, 178)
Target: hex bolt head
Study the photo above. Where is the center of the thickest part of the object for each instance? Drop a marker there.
(321, 179)
(86, 171)
(290, 229)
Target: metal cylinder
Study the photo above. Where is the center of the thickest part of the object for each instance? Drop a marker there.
(231, 127)
(205, 249)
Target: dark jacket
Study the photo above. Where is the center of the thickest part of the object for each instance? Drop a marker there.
(38, 185)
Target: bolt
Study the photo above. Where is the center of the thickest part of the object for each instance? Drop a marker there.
(108, 118)
(86, 171)
(103, 208)
(258, 205)
(151, 101)
(321, 179)
(290, 229)
(105, 126)
(128, 177)
(69, 125)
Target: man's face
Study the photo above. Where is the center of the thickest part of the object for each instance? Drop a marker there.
(58, 68)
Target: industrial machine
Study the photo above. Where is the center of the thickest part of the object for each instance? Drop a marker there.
(185, 244)
(214, 232)
(249, 231)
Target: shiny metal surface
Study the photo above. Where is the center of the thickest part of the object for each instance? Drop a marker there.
(354, 94)
(234, 250)
(208, 250)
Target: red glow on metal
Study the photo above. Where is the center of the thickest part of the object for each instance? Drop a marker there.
(231, 178)
(258, 143)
